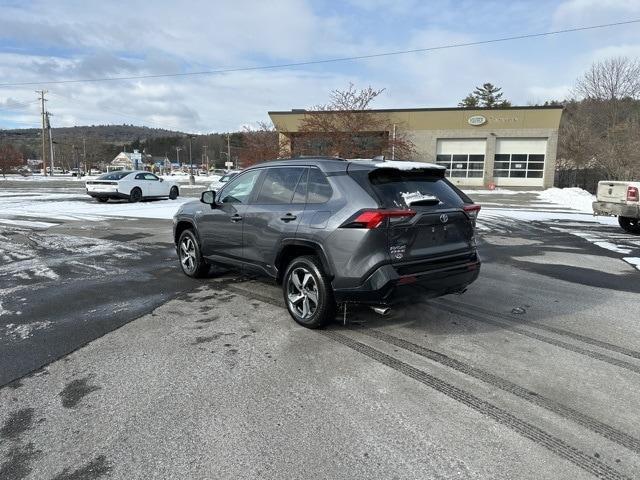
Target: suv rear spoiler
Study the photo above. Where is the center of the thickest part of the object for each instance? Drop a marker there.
(400, 165)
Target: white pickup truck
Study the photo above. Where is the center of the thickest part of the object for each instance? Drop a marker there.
(620, 199)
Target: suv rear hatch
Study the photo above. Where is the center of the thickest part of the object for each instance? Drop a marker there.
(438, 233)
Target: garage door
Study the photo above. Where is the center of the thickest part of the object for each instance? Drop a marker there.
(520, 158)
(464, 157)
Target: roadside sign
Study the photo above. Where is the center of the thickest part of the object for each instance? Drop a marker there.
(228, 164)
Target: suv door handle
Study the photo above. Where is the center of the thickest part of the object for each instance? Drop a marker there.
(236, 218)
(288, 217)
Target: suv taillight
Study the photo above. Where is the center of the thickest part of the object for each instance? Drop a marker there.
(632, 194)
(374, 218)
(472, 210)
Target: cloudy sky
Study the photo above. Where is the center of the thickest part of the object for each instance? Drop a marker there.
(43, 41)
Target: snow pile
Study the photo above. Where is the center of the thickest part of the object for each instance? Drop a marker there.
(574, 198)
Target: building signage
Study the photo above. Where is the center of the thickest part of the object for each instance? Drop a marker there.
(477, 120)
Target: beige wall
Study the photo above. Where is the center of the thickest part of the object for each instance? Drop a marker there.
(425, 127)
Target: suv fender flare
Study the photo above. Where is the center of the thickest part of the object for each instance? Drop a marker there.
(305, 243)
(192, 226)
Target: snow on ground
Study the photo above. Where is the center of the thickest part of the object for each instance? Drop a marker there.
(574, 198)
(26, 223)
(498, 191)
(635, 261)
(62, 206)
(42, 178)
(567, 210)
(24, 331)
(540, 215)
(29, 258)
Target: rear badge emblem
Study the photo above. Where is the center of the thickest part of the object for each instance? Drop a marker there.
(444, 218)
(397, 251)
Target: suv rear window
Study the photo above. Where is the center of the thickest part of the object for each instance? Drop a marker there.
(403, 188)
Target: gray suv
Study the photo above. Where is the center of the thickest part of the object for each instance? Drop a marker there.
(333, 231)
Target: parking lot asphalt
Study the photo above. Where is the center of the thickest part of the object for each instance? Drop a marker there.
(533, 373)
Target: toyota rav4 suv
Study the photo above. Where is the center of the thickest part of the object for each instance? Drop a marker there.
(334, 231)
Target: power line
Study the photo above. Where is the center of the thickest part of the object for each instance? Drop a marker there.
(325, 61)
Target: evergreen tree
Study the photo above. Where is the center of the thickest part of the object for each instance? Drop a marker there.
(470, 101)
(486, 96)
(490, 96)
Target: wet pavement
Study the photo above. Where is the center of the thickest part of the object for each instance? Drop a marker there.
(533, 373)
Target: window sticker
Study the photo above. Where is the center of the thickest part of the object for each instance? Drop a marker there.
(414, 197)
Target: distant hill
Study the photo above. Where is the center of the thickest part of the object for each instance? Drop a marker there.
(114, 134)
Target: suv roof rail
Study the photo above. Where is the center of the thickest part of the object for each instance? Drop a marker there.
(314, 157)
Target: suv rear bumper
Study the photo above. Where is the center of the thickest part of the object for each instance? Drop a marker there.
(618, 209)
(385, 286)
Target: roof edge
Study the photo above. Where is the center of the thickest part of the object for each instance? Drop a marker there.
(300, 111)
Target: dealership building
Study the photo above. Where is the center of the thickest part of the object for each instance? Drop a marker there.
(508, 147)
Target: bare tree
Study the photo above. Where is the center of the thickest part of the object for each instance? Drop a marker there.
(611, 79)
(601, 130)
(10, 159)
(347, 127)
(260, 144)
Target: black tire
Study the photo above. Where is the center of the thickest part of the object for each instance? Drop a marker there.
(192, 262)
(173, 193)
(299, 294)
(102, 199)
(135, 195)
(631, 225)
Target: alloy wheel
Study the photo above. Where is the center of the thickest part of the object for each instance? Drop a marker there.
(188, 254)
(302, 292)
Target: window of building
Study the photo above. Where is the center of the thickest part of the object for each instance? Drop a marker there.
(519, 158)
(463, 158)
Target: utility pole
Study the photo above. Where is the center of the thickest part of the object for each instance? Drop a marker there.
(178, 156)
(50, 142)
(229, 151)
(205, 158)
(84, 157)
(192, 180)
(44, 139)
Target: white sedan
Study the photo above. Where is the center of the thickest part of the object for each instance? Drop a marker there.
(133, 186)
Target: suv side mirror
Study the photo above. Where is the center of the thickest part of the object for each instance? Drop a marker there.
(209, 197)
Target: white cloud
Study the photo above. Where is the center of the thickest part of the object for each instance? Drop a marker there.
(79, 39)
(625, 50)
(594, 12)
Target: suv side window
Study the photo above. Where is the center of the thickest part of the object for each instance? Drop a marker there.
(279, 185)
(239, 189)
(318, 188)
(300, 195)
